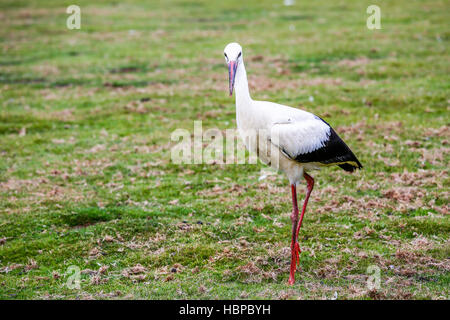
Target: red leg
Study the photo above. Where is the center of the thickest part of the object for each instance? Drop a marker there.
(294, 219)
(310, 186)
(296, 224)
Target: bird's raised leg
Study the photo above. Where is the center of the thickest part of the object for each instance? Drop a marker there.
(309, 188)
(294, 219)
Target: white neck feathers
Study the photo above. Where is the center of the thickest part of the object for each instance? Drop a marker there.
(241, 87)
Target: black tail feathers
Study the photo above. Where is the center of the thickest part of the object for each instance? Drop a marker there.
(349, 167)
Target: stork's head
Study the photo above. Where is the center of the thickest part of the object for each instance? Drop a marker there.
(233, 56)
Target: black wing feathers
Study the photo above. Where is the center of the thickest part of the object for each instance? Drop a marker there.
(334, 151)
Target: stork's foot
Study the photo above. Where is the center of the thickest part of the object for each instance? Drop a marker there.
(295, 260)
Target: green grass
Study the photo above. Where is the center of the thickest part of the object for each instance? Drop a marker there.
(86, 178)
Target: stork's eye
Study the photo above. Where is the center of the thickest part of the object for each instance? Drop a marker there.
(225, 55)
(239, 55)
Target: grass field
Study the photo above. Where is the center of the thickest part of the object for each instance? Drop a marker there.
(86, 180)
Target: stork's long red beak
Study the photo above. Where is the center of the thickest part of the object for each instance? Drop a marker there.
(232, 66)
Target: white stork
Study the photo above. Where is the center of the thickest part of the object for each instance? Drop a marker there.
(301, 141)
